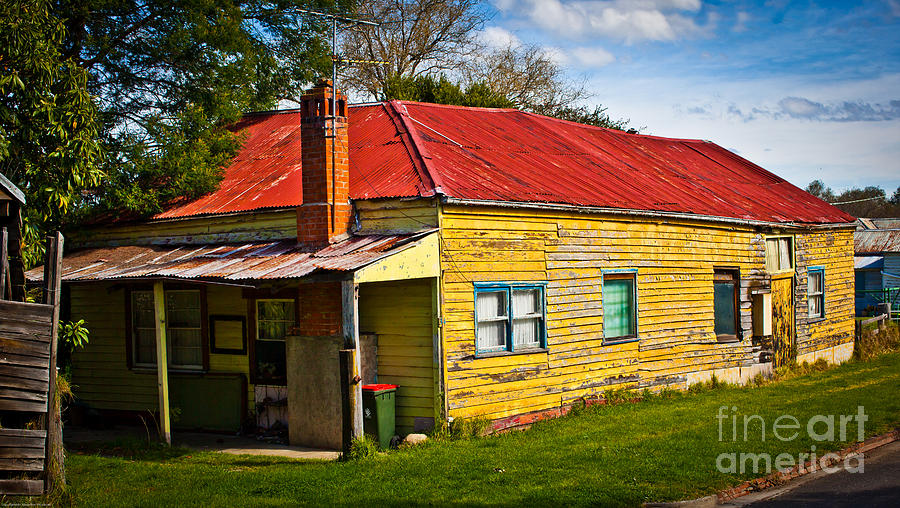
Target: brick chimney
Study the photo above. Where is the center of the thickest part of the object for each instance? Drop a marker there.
(324, 216)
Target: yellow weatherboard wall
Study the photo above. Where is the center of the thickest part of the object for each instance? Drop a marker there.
(674, 262)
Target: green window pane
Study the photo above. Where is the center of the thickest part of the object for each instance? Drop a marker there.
(618, 307)
(724, 308)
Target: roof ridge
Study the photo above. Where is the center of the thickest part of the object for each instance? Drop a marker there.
(420, 155)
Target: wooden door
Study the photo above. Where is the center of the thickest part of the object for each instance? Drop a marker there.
(785, 340)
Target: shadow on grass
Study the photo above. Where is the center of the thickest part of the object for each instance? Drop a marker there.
(130, 448)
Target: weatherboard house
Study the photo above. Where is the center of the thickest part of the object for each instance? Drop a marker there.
(489, 262)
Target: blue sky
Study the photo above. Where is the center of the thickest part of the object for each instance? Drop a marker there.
(805, 89)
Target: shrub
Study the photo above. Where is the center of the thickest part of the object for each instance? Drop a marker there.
(874, 341)
(362, 447)
(467, 428)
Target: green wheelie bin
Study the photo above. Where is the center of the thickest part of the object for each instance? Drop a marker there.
(379, 408)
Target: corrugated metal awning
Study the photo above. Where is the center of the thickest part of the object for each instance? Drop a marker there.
(227, 262)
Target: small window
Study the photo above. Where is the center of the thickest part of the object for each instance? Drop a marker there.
(725, 305)
(274, 320)
(619, 306)
(815, 292)
(509, 318)
(184, 344)
(779, 254)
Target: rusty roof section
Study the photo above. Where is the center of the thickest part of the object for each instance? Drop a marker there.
(876, 241)
(226, 262)
(410, 149)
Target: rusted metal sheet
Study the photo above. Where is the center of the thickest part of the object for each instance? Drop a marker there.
(876, 241)
(408, 149)
(265, 173)
(245, 261)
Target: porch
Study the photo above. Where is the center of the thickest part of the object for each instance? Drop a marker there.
(230, 343)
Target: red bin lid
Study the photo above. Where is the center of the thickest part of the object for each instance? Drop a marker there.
(379, 387)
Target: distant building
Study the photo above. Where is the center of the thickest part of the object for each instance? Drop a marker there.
(877, 263)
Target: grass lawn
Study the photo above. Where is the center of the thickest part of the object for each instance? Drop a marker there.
(662, 449)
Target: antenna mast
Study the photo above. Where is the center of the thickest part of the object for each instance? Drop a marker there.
(335, 59)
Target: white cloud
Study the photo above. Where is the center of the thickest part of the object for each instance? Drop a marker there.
(625, 20)
(741, 23)
(799, 107)
(584, 57)
(592, 57)
(839, 146)
(499, 38)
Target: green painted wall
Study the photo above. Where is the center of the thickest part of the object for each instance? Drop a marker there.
(400, 314)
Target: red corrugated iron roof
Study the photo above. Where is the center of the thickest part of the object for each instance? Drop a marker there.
(229, 262)
(407, 149)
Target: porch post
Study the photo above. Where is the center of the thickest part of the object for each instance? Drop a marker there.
(351, 387)
(162, 374)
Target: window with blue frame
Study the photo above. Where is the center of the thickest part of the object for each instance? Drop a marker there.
(815, 292)
(619, 306)
(509, 317)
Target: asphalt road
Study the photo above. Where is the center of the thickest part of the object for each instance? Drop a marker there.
(877, 486)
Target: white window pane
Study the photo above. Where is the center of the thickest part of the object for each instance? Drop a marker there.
(491, 304)
(492, 335)
(815, 306)
(772, 254)
(526, 301)
(784, 253)
(526, 333)
(815, 282)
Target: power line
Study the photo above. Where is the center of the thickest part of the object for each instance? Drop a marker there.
(857, 200)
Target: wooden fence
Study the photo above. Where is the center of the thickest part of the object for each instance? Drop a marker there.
(30, 456)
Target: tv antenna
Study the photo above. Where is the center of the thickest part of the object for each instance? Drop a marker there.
(335, 60)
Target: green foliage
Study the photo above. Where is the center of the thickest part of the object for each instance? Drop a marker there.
(462, 428)
(425, 88)
(614, 396)
(442, 91)
(871, 201)
(48, 120)
(73, 334)
(170, 76)
(362, 447)
(582, 114)
(468, 428)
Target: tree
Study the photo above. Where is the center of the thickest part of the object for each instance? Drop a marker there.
(437, 39)
(443, 91)
(818, 189)
(869, 202)
(171, 75)
(531, 79)
(415, 37)
(48, 120)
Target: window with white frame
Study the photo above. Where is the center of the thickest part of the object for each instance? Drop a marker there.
(815, 292)
(779, 254)
(509, 318)
(184, 344)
